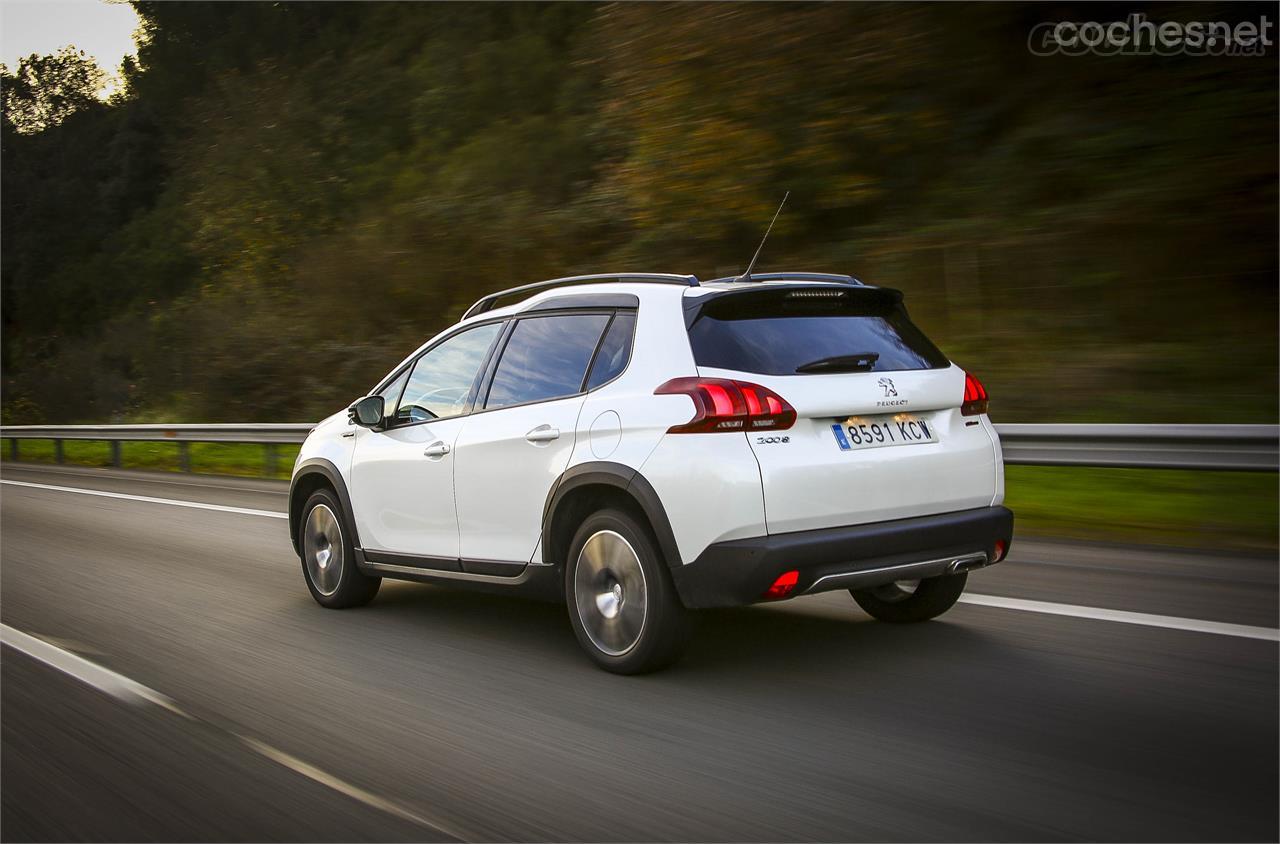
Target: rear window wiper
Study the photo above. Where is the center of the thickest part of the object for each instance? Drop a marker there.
(862, 362)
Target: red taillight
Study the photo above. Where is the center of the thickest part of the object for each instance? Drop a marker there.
(975, 397)
(782, 587)
(1000, 549)
(721, 404)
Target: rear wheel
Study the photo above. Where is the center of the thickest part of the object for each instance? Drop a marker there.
(622, 604)
(328, 556)
(906, 601)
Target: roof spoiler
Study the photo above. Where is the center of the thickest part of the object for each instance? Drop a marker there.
(487, 303)
(815, 294)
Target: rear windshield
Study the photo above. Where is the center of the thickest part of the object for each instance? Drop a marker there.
(797, 332)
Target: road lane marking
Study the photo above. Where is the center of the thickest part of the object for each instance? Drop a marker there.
(202, 481)
(1169, 622)
(130, 691)
(313, 773)
(72, 645)
(175, 502)
(89, 673)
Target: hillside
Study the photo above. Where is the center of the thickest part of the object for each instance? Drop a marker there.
(287, 198)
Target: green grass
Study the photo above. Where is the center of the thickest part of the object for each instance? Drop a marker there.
(1235, 510)
(206, 458)
(1230, 510)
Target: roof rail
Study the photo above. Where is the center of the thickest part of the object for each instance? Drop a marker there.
(842, 279)
(486, 303)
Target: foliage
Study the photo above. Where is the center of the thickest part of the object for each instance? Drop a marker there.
(288, 198)
(42, 91)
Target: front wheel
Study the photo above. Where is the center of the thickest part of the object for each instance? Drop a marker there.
(328, 556)
(622, 603)
(907, 601)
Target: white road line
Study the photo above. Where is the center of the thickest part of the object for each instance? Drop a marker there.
(89, 673)
(196, 505)
(130, 691)
(133, 476)
(311, 772)
(1169, 622)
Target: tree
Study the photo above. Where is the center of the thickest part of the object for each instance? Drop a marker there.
(286, 197)
(43, 90)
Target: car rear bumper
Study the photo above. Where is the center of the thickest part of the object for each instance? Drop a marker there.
(739, 571)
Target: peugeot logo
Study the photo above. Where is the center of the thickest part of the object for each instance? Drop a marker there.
(886, 384)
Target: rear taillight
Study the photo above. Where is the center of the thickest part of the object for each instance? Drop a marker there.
(782, 587)
(721, 404)
(975, 397)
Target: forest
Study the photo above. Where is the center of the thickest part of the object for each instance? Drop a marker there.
(284, 199)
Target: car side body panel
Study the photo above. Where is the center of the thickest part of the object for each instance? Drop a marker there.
(502, 477)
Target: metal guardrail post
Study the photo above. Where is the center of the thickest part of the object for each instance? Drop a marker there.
(184, 455)
(57, 452)
(116, 460)
(13, 448)
(272, 459)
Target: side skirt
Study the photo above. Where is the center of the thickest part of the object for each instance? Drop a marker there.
(530, 580)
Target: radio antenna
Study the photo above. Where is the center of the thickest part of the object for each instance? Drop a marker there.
(747, 275)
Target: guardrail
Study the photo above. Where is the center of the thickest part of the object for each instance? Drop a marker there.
(1250, 448)
(269, 435)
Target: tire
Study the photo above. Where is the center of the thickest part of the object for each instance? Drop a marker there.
(328, 556)
(622, 604)
(929, 598)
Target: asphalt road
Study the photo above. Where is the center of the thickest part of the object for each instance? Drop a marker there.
(435, 714)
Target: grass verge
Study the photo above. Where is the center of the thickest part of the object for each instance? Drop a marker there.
(242, 459)
(1230, 510)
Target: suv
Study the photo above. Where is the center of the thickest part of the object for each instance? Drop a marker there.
(640, 446)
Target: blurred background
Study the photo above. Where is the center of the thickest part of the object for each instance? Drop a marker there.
(249, 212)
(266, 206)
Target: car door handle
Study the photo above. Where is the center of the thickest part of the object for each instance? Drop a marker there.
(439, 448)
(543, 434)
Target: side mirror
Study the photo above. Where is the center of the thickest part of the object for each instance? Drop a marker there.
(367, 412)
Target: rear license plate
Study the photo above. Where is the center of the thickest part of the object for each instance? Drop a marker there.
(861, 432)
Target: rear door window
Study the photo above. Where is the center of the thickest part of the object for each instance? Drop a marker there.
(783, 332)
(545, 358)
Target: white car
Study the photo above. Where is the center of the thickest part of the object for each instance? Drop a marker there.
(644, 445)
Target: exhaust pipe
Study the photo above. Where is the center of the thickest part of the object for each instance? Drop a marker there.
(967, 563)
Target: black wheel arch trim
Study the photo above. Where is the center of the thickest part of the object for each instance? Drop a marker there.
(628, 480)
(326, 469)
